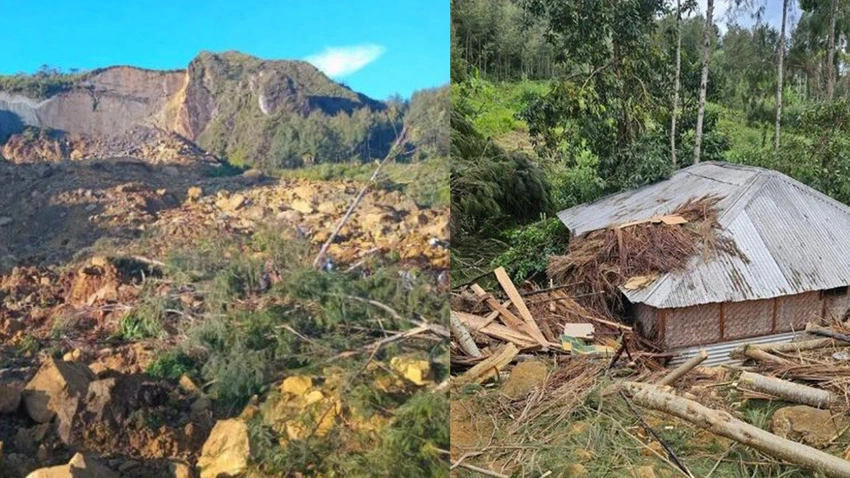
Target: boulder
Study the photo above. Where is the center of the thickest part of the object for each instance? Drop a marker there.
(296, 385)
(28, 439)
(524, 378)
(232, 203)
(80, 466)
(227, 450)
(807, 424)
(57, 386)
(179, 470)
(194, 193)
(302, 206)
(10, 399)
(416, 370)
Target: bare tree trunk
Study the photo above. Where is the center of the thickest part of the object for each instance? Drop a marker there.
(676, 84)
(686, 367)
(790, 391)
(464, 339)
(830, 52)
(779, 75)
(395, 150)
(724, 424)
(703, 84)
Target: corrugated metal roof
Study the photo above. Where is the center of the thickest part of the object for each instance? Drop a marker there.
(793, 239)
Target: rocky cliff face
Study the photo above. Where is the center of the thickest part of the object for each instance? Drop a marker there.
(230, 103)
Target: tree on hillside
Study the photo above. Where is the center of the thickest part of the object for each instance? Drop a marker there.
(677, 82)
(704, 82)
(830, 52)
(779, 74)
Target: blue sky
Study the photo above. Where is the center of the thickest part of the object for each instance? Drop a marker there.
(772, 15)
(377, 47)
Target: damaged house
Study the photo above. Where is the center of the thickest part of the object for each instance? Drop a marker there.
(792, 265)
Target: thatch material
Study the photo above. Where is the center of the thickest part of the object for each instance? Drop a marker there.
(599, 262)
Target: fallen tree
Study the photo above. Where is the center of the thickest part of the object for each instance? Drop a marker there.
(724, 424)
(786, 347)
(686, 367)
(793, 392)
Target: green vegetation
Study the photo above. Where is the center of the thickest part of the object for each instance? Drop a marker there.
(304, 118)
(426, 181)
(248, 335)
(45, 83)
(598, 120)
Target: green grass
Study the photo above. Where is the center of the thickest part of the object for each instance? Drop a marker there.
(426, 182)
(607, 440)
(496, 104)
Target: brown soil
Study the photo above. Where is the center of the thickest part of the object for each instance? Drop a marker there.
(471, 429)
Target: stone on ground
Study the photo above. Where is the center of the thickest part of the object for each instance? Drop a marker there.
(524, 378)
(10, 399)
(416, 370)
(807, 424)
(226, 451)
(58, 385)
(296, 385)
(80, 466)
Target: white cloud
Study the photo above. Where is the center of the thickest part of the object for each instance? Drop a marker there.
(337, 62)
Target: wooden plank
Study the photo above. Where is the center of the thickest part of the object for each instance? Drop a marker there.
(510, 319)
(495, 314)
(513, 294)
(497, 331)
(489, 367)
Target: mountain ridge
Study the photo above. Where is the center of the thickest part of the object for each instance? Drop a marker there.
(251, 111)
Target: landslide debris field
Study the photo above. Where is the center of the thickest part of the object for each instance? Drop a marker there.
(160, 320)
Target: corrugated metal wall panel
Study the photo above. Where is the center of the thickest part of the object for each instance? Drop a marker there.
(719, 353)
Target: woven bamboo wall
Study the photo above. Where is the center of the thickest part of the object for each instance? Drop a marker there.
(836, 306)
(701, 325)
(646, 321)
(692, 325)
(747, 319)
(794, 311)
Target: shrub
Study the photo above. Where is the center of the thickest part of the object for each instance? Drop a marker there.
(530, 247)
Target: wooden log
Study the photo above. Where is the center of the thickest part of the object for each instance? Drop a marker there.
(489, 367)
(464, 339)
(824, 332)
(516, 298)
(760, 355)
(724, 424)
(686, 367)
(786, 347)
(790, 391)
(497, 331)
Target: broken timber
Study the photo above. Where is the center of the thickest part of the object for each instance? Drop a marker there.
(793, 392)
(724, 424)
(478, 324)
(513, 294)
(464, 339)
(489, 367)
(686, 367)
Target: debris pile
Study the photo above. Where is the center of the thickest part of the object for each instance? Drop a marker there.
(490, 332)
(802, 385)
(634, 254)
